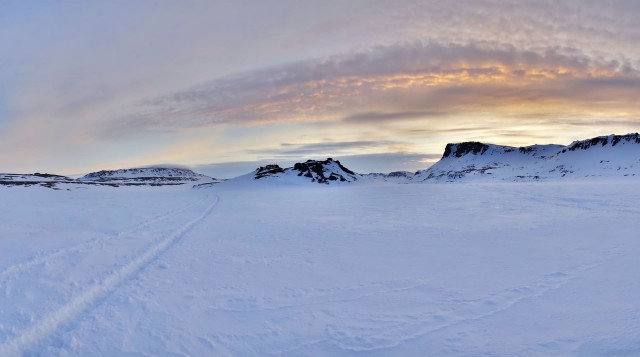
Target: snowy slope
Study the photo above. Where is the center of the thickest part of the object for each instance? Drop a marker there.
(508, 269)
(148, 176)
(605, 156)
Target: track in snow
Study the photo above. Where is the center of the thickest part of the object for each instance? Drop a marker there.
(43, 257)
(72, 309)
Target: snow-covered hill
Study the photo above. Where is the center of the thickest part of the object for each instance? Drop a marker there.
(604, 156)
(491, 269)
(327, 172)
(153, 176)
(46, 180)
(156, 176)
(392, 177)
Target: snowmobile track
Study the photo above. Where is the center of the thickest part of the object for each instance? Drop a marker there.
(75, 307)
(46, 256)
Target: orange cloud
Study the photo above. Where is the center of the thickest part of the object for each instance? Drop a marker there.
(443, 79)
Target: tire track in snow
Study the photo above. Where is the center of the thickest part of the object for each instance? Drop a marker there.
(71, 310)
(41, 258)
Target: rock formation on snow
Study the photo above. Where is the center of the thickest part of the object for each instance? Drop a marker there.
(328, 171)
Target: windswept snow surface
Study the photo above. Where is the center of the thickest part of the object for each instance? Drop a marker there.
(505, 269)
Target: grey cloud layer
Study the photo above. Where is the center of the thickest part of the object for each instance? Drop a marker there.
(326, 148)
(114, 82)
(344, 86)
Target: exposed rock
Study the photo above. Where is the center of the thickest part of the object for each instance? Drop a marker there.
(604, 140)
(269, 170)
(461, 149)
(324, 171)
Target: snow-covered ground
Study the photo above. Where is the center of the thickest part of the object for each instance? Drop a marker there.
(504, 269)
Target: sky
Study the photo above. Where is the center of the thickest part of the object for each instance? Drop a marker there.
(225, 86)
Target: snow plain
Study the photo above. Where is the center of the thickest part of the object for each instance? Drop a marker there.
(495, 269)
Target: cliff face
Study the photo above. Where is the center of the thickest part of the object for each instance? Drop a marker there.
(611, 140)
(461, 149)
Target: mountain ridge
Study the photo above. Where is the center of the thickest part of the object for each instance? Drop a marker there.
(602, 156)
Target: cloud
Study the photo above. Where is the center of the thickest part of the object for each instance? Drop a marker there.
(330, 148)
(369, 117)
(86, 85)
(389, 162)
(404, 81)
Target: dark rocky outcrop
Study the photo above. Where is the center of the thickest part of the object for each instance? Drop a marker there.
(604, 140)
(269, 170)
(461, 149)
(325, 171)
(53, 177)
(318, 171)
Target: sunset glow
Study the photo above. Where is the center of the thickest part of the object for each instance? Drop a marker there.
(190, 84)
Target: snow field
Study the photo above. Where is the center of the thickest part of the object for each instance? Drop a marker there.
(520, 269)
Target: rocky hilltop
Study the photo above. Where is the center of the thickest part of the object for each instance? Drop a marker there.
(603, 156)
(326, 172)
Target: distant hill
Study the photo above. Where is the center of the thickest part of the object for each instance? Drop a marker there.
(153, 176)
(37, 179)
(392, 177)
(612, 156)
(603, 156)
(156, 176)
